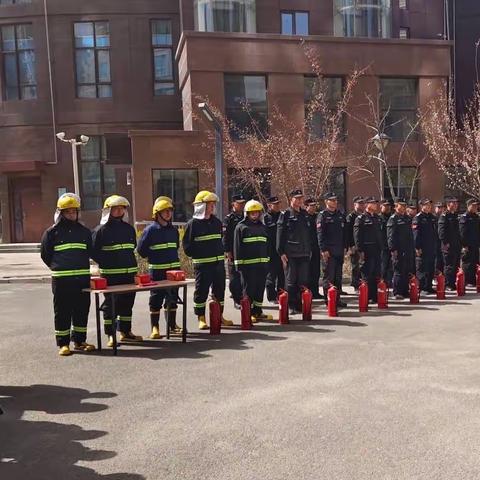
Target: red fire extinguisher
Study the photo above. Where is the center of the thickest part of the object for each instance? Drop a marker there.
(440, 286)
(382, 295)
(460, 283)
(283, 308)
(332, 301)
(307, 298)
(478, 278)
(246, 314)
(215, 317)
(363, 297)
(414, 288)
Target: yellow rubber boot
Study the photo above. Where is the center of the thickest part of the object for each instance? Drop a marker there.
(84, 347)
(253, 319)
(202, 324)
(264, 317)
(110, 341)
(155, 335)
(65, 351)
(226, 323)
(130, 337)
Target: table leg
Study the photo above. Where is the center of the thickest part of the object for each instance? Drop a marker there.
(99, 327)
(167, 318)
(184, 320)
(114, 325)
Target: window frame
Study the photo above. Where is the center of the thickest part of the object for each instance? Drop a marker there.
(162, 46)
(293, 14)
(394, 170)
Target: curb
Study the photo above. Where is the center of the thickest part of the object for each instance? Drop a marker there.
(25, 280)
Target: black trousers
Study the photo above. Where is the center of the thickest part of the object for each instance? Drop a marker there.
(332, 272)
(275, 278)
(314, 272)
(235, 282)
(253, 283)
(296, 276)
(451, 261)
(71, 307)
(469, 264)
(425, 271)
(162, 298)
(356, 274)
(386, 267)
(208, 276)
(123, 305)
(370, 269)
(439, 265)
(400, 273)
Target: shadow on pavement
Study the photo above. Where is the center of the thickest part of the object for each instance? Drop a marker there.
(47, 450)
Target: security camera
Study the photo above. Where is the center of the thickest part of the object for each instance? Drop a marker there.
(61, 135)
(84, 138)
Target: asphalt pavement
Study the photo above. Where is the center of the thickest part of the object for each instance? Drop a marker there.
(383, 395)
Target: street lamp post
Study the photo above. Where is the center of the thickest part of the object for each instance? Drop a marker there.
(74, 143)
(381, 142)
(212, 119)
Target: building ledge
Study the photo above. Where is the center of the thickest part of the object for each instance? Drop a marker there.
(163, 133)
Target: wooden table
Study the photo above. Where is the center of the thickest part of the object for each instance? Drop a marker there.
(132, 288)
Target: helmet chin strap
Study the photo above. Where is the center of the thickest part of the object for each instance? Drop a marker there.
(159, 214)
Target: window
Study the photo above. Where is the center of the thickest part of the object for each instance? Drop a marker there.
(92, 59)
(162, 45)
(294, 23)
(404, 33)
(398, 100)
(363, 18)
(97, 178)
(181, 186)
(408, 183)
(19, 66)
(403, 4)
(246, 104)
(225, 16)
(333, 92)
(337, 184)
(237, 185)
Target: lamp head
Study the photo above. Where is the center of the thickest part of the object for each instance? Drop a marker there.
(61, 135)
(84, 138)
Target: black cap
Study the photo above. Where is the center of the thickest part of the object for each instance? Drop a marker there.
(412, 205)
(400, 200)
(238, 198)
(330, 196)
(451, 199)
(440, 204)
(425, 201)
(472, 201)
(386, 201)
(371, 200)
(310, 201)
(296, 193)
(358, 199)
(273, 199)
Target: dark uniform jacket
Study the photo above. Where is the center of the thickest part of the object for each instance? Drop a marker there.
(229, 224)
(424, 227)
(349, 224)
(383, 227)
(203, 241)
(66, 249)
(399, 233)
(469, 225)
(367, 231)
(251, 248)
(270, 219)
(114, 246)
(331, 232)
(448, 230)
(293, 234)
(312, 224)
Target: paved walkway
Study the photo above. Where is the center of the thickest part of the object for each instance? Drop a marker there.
(22, 267)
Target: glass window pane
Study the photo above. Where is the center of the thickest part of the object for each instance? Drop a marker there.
(104, 91)
(84, 34)
(26, 65)
(85, 62)
(161, 32)
(103, 59)
(10, 65)
(86, 91)
(109, 180)
(29, 93)
(255, 90)
(102, 34)
(8, 38)
(287, 24)
(24, 36)
(301, 23)
(163, 64)
(164, 89)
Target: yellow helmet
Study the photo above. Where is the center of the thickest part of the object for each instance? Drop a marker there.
(253, 206)
(68, 200)
(161, 205)
(205, 196)
(163, 198)
(116, 201)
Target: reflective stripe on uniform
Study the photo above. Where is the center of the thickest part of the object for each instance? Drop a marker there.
(80, 329)
(200, 305)
(118, 271)
(163, 246)
(108, 322)
(254, 239)
(257, 304)
(70, 273)
(163, 266)
(70, 246)
(197, 261)
(62, 333)
(204, 238)
(124, 319)
(252, 261)
(118, 246)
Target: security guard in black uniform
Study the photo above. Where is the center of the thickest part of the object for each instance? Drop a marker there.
(425, 240)
(358, 209)
(331, 242)
(439, 209)
(367, 234)
(386, 269)
(400, 243)
(449, 236)
(275, 276)
(229, 224)
(294, 248)
(311, 207)
(66, 248)
(470, 236)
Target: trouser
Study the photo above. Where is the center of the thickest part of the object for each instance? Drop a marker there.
(275, 277)
(370, 269)
(234, 282)
(425, 271)
(162, 298)
(253, 283)
(296, 275)
(71, 307)
(451, 261)
(439, 265)
(400, 273)
(412, 266)
(469, 264)
(386, 267)
(123, 305)
(332, 272)
(208, 276)
(314, 272)
(356, 274)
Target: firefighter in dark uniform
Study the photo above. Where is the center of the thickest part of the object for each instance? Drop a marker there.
(275, 276)
(331, 242)
(294, 248)
(311, 207)
(470, 236)
(114, 243)
(439, 209)
(251, 251)
(65, 249)
(202, 242)
(358, 209)
(400, 243)
(367, 235)
(229, 224)
(386, 269)
(449, 236)
(425, 240)
(412, 210)
(159, 243)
